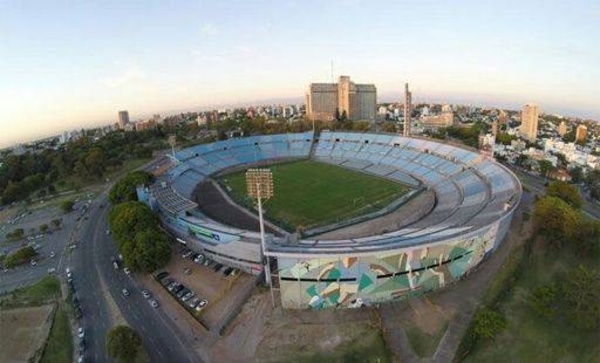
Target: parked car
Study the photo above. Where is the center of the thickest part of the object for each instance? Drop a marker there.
(227, 271)
(51, 270)
(80, 332)
(125, 292)
(167, 281)
(188, 296)
(127, 271)
(161, 275)
(186, 253)
(78, 312)
(217, 267)
(173, 285)
(182, 292)
(153, 303)
(201, 305)
(199, 259)
(145, 294)
(207, 261)
(193, 302)
(177, 289)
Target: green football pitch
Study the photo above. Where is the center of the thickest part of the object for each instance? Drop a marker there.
(309, 194)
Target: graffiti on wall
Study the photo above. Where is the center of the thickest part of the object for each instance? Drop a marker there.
(343, 281)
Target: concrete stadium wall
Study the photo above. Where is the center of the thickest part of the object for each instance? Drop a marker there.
(339, 281)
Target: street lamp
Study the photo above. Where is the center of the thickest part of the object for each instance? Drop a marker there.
(259, 184)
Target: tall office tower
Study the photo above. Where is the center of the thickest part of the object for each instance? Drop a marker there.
(495, 128)
(562, 129)
(580, 133)
(355, 101)
(123, 119)
(529, 122)
(502, 117)
(407, 110)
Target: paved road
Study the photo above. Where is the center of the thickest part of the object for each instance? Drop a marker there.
(537, 185)
(163, 341)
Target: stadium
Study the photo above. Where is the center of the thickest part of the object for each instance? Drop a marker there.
(397, 216)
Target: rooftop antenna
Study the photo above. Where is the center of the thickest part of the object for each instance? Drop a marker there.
(332, 72)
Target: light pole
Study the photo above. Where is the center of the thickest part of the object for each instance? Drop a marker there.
(259, 184)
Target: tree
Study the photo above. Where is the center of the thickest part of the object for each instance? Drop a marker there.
(17, 234)
(488, 323)
(542, 300)
(576, 174)
(152, 251)
(545, 167)
(566, 192)
(95, 162)
(504, 138)
(67, 206)
(555, 219)
(134, 226)
(581, 291)
(586, 239)
(129, 218)
(123, 343)
(125, 189)
(56, 222)
(44, 228)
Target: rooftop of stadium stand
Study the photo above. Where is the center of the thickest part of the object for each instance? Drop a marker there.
(471, 190)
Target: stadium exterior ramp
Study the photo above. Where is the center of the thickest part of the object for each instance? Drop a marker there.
(475, 201)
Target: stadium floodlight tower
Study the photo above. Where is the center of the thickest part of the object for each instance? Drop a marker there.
(259, 184)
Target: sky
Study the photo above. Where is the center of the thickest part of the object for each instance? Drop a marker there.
(73, 64)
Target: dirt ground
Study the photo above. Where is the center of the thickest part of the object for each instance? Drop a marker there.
(23, 332)
(263, 333)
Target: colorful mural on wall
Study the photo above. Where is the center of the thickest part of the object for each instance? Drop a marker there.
(349, 281)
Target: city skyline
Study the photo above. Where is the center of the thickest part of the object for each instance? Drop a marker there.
(69, 66)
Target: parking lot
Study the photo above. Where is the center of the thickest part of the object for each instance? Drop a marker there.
(221, 292)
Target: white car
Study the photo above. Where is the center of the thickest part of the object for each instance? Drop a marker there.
(80, 332)
(126, 270)
(201, 305)
(153, 303)
(145, 294)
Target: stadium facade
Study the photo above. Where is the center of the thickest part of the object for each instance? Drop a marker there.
(475, 199)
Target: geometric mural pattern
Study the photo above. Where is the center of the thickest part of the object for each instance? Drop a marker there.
(343, 281)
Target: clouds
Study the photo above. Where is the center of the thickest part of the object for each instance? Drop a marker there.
(208, 30)
(130, 75)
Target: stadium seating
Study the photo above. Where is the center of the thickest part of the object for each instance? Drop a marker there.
(470, 190)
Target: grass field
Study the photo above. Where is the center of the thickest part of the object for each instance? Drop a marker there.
(310, 194)
(60, 343)
(530, 337)
(23, 332)
(43, 291)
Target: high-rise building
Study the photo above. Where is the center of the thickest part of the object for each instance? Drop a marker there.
(562, 129)
(123, 119)
(529, 122)
(580, 133)
(325, 101)
(495, 128)
(407, 110)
